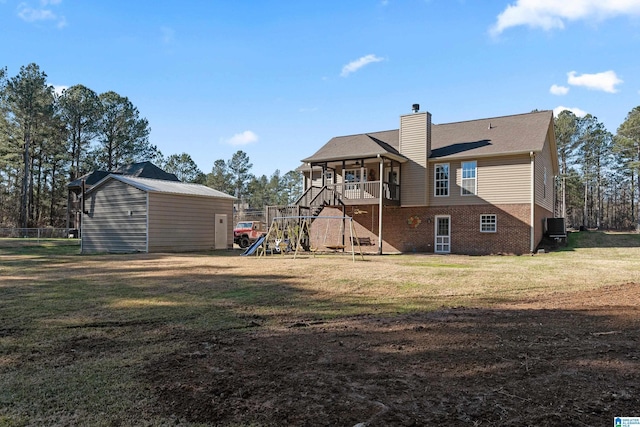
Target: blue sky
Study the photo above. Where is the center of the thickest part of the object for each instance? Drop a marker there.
(278, 79)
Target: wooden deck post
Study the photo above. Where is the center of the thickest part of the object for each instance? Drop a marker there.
(380, 205)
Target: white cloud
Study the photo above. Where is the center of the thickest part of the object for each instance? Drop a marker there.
(244, 138)
(30, 14)
(58, 89)
(605, 81)
(550, 14)
(41, 13)
(577, 111)
(558, 90)
(354, 66)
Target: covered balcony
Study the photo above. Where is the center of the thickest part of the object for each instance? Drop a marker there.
(361, 169)
(351, 193)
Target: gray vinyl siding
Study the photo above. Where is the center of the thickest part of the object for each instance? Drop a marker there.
(116, 219)
(500, 181)
(543, 161)
(414, 146)
(186, 223)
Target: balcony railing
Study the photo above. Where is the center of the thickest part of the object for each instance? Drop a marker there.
(367, 192)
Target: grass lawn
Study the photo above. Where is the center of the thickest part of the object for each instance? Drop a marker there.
(79, 334)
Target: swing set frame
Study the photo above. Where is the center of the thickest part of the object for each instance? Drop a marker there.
(303, 225)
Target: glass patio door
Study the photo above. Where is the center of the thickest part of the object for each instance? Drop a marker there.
(443, 234)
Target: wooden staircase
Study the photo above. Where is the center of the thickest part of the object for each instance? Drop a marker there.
(316, 198)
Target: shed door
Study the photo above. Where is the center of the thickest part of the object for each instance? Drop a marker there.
(221, 231)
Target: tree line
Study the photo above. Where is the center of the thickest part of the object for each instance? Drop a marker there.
(598, 185)
(234, 177)
(49, 139)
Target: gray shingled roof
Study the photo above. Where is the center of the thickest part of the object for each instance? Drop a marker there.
(163, 186)
(505, 135)
(360, 146)
(141, 169)
(146, 170)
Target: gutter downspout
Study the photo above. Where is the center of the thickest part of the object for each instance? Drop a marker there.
(381, 175)
(533, 200)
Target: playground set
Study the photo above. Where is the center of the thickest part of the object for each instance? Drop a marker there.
(293, 234)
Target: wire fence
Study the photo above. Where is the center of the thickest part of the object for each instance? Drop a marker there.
(38, 233)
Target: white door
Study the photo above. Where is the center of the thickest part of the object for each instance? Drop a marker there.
(443, 234)
(221, 231)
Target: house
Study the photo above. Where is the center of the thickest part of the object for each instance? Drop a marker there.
(476, 187)
(133, 214)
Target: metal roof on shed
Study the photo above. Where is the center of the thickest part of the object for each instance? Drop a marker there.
(161, 186)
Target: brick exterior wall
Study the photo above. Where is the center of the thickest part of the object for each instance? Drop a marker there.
(412, 229)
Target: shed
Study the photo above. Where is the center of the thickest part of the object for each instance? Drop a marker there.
(131, 214)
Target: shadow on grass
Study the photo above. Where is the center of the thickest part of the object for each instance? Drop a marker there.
(476, 366)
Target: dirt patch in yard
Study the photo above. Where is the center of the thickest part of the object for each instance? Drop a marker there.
(565, 359)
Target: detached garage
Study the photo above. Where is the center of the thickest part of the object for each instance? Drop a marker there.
(130, 214)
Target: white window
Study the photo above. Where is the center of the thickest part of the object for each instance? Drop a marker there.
(544, 188)
(488, 223)
(469, 183)
(441, 180)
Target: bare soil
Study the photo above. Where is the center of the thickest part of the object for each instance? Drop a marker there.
(566, 359)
